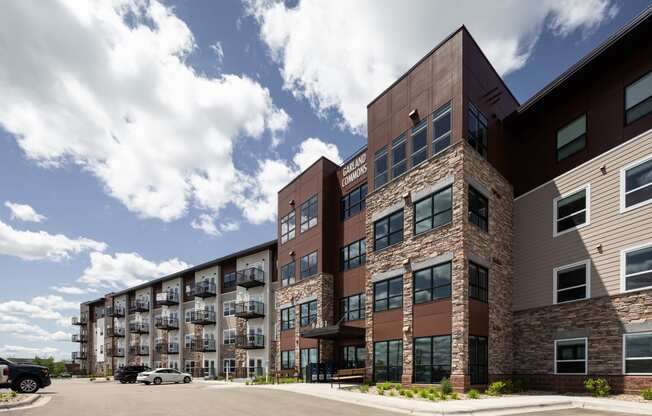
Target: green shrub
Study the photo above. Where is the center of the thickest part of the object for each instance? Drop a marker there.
(445, 386)
(519, 384)
(423, 394)
(454, 396)
(409, 394)
(392, 392)
(380, 391)
(496, 388)
(433, 397)
(647, 394)
(364, 388)
(402, 392)
(473, 394)
(598, 387)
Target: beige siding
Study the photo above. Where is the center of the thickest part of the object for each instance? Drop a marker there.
(537, 252)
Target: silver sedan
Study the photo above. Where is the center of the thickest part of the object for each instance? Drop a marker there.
(163, 375)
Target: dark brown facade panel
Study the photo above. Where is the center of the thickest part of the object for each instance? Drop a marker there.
(388, 325)
(433, 318)
(478, 318)
(287, 340)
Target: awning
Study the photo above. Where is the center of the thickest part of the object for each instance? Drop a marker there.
(333, 332)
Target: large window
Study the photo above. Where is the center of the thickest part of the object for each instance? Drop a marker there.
(478, 282)
(308, 356)
(353, 255)
(388, 230)
(571, 211)
(441, 129)
(571, 138)
(636, 185)
(309, 214)
(228, 308)
(477, 130)
(432, 359)
(287, 360)
(228, 336)
(388, 294)
(478, 209)
(638, 353)
(388, 360)
(419, 142)
(570, 356)
(309, 265)
(636, 266)
(352, 307)
(432, 283)
(287, 273)
(229, 280)
(572, 282)
(308, 313)
(353, 356)
(638, 98)
(380, 168)
(353, 202)
(229, 365)
(434, 210)
(478, 360)
(288, 225)
(287, 318)
(399, 162)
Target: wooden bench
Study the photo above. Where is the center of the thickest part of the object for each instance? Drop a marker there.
(347, 374)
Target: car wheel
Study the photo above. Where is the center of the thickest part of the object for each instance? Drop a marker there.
(123, 381)
(146, 383)
(157, 380)
(186, 379)
(27, 385)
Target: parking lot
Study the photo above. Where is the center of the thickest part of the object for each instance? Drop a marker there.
(73, 397)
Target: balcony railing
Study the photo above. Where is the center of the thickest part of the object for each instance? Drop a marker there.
(203, 290)
(78, 355)
(79, 338)
(167, 347)
(139, 350)
(167, 298)
(115, 312)
(250, 341)
(166, 323)
(139, 306)
(250, 277)
(79, 320)
(138, 327)
(203, 345)
(250, 309)
(201, 317)
(117, 331)
(116, 352)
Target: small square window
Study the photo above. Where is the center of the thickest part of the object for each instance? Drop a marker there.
(570, 356)
(380, 168)
(638, 98)
(478, 209)
(638, 353)
(636, 185)
(571, 211)
(572, 282)
(636, 268)
(399, 163)
(571, 138)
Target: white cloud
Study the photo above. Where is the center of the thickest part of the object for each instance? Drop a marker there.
(230, 226)
(32, 332)
(219, 51)
(28, 352)
(339, 66)
(24, 212)
(40, 245)
(122, 270)
(206, 223)
(123, 104)
(73, 290)
(40, 307)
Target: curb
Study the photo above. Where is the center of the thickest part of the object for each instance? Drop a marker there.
(29, 400)
(607, 406)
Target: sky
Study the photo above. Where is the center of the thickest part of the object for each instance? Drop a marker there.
(138, 137)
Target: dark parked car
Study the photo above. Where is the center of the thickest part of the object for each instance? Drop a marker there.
(24, 378)
(129, 373)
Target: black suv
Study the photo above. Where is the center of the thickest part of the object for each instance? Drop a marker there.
(129, 373)
(25, 378)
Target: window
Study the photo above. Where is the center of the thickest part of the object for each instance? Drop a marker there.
(571, 138)
(380, 168)
(432, 283)
(432, 359)
(388, 360)
(288, 225)
(353, 255)
(309, 214)
(570, 356)
(388, 294)
(229, 336)
(287, 273)
(388, 230)
(353, 202)
(229, 365)
(419, 142)
(638, 98)
(229, 279)
(188, 316)
(478, 282)
(636, 266)
(638, 353)
(478, 360)
(399, 164)
(308, 356)
(188, 341)
(352, 307)
(636, 185)
(572, 282)
(434, 210)
(571, 211)
(287, 318)
(308, 313)
(309, 265)
(478, 209)
(228, 308)
(287, 360)
(477, 130)
(441, 129)
(353, 356)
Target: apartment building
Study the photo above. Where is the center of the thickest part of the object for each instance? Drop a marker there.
(473, 237)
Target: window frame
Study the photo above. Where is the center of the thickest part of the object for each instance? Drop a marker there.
(623, 267)
(308, 204)
(401, 140)
(399, 343)
(479, 116)
(436, 115)
(285, 267)
(380, 153)
(291, 323)
(635, 358)
(301, 270)
(293, 231)
(433, 354)
(310, 314)
(480, 288)
(584, 136)
(623, 181)
(230, 338)
(432, 287)
(345, 202)
(344, 355)
(361, 257)
(231, 308)
(418, 129)
(387, 282)
(586, 356)
(480, 196)
(433, 214)
(361, 309)
(625, 122)
(388, 218)
(232, 283)
(587, 282)
(287, 361)
(587, 210)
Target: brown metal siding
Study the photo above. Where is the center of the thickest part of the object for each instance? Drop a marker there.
(388, 325)
(433, 318)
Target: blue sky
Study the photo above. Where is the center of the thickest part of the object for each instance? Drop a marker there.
(138, 140)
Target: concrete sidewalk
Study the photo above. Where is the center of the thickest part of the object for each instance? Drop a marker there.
(486, 407)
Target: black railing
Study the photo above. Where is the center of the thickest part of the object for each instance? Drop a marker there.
(78, 355)
(250, 309)
(202, 317)
(139, 306)
(167, 298)
(250, 277)
(115, 311)
(79, 320)
(166, 323)
(117, 331)
(116, 352)
(250, 341)
(79, 338)
(204, 345)
(203, 290)
(166, 348)
(138, 327)
(139, 350)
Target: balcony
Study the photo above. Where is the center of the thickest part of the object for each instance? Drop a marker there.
(203, 345)
(115, 312)
(200, 317)
(118, 332)
(203, 290)
(139, 306)
(250, 277)
(138, 328)
(166, 323)
(167, 298)
(78, 355)
(116, 352)
(79, 320)
(139, 350)
(250, 342)
(79, 338)
(250, 309)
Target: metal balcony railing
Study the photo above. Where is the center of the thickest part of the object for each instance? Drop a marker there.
(79, 338)
(250, 277)
(139, 349)
(118, 352)
(203, 345)
(78, 355)
(168, 298)
(116, 331)
(115, 311)
(79, 320)
(139, 327)
(250, 309)
(139, 306)
(203, 290)
(166, 323)
(250, 341)
(202, 317)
